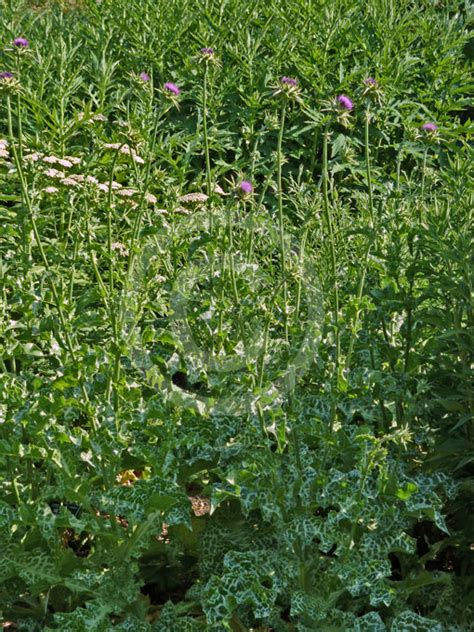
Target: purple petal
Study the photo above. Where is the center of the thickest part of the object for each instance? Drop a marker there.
(21, 42)
(345, 102)
(246, 186)
(171, 87)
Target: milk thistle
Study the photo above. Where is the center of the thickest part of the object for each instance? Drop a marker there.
(21, 42)
(288, 88)
(430, 128)
(172, 88)
(244, 188)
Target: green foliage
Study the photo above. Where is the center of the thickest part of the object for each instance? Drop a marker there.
(236, 411)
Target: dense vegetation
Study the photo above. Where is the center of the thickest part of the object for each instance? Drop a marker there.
(236, 318)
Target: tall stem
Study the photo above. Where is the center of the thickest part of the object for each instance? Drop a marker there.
(423, 173)
(206, 146)
(280, 218)
(332, 248)
(367, 165)
(360, 289)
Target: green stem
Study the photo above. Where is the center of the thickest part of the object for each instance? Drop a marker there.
(367, 164)
(231, 258)
(423, 173)
(363, 274)
(206, 147)
(280, 218)
(332, 247)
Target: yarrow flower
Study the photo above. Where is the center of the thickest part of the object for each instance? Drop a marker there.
(344, 102)
(4, 149)
(21, 42)
(193, 198)
(171, 87)
(144, 76)
(118, 247)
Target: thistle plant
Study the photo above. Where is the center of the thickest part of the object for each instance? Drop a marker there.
(166, 463)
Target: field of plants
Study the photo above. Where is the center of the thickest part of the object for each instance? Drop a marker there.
(236, 322)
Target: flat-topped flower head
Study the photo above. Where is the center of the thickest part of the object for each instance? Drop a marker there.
(144, 76)
(345, 103)
(430, 128)
(21, 42)
(172, 88)
(244, 188)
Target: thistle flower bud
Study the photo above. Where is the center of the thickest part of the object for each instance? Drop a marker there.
(8, 82)
(430, 128)
(288, 88)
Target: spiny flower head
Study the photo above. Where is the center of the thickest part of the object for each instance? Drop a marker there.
(344, 102)
(172, 87)
(288, 88)
(144, 76)
(8, 82)
(244, 188)
(430, 128)
(372, 90)
(208, 55)
(21, 42)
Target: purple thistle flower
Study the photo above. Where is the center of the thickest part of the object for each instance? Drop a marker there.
(207, 51)
(171, 87)
(289, 81)
(245, 187)
(370, 81)
(6, 75)
(21, 42)
(144, 76)
(345, 102)
(429, 127)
